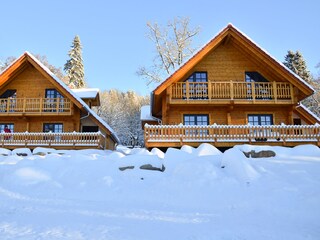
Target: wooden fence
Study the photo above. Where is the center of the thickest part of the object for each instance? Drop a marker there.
(163, 134)
(61, 140)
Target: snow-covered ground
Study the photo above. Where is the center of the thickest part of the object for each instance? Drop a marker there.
(202, 194)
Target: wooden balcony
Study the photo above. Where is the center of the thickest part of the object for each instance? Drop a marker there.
(66, 140)
(231, 92)
(230, 135)
(35, 106)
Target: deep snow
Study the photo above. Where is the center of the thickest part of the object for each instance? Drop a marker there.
(202, 194)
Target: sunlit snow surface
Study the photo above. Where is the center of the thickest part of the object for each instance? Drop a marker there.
(202, 194)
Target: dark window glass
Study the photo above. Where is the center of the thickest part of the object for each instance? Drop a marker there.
(9, 125)
(51, 102)
(197, 119)
(198, 87)
(260, 119)
(53, 127)
(255, 77)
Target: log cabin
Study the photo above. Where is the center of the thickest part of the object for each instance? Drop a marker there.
(230, 92)
(41, 110)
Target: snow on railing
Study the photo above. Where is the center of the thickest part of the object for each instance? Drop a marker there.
(214, 133)
(67, 139)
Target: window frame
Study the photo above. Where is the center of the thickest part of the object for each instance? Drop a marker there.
(260, 120)
(200, 85)
(53, 130)
(10, 126)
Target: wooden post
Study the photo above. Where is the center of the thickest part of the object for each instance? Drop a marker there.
(231, 90)
(169, 92)
(209, 90)
(41, 105)
(187, 90)
(253, 91)
(57, 105)
(275, 91)
(292, 94)
(8, 105)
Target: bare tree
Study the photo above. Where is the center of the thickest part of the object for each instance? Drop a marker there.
(173, 45)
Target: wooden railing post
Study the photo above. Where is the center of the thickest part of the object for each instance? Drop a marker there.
(209, 90)
(253, 91)
(187, 90)
(41, 104)
(57, 104)
(231, 90)
(24, 105)
(292, 93)
(275, 91)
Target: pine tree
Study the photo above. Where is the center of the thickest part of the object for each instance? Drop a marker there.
(74, 66)
(296, 63)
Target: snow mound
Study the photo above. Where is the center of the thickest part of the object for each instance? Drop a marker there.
(5, 152)
(43, 151)
(157, 152)
(22, 152)
(238, 165)
(187, 149)
(207, 149)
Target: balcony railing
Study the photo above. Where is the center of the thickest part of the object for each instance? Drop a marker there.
(14, 106)
(62, 140)
(166, 135)
(231, 90)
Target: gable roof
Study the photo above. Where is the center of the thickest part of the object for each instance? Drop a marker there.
(27, 57)
(246, 42)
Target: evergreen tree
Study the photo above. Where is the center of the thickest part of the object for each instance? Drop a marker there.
(296, 63)
(74, 66)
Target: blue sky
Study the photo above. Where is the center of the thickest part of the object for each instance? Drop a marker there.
(113, 32)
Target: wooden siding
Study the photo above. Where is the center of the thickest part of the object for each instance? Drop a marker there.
(29, 83)
(228, 115)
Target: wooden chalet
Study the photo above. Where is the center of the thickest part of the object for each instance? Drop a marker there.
(230, 92)
(40, 110)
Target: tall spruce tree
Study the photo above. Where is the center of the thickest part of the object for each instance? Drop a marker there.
(74, 66)
(296, 63)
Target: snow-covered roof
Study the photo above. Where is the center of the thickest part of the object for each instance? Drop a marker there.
(146, 114)
(309, 111)
(85, 93)
(230, 25)
(74, 95)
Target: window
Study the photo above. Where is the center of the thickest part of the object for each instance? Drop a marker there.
(255, 77)
(262, 88)
(8, 101)
(53, 127)
(198, 86)
(10, 126)
(52, 96)
(260, 119)
(196, 119)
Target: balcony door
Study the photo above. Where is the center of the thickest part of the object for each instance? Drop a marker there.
(53, 97)
(8, 100)
(198, 86)
(262, 88)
